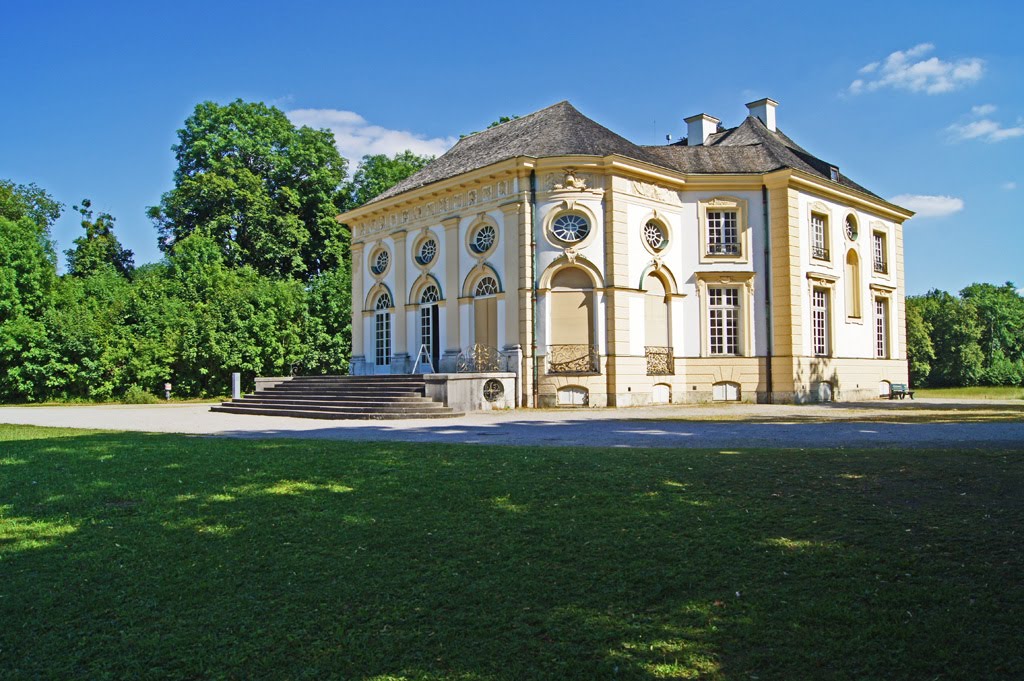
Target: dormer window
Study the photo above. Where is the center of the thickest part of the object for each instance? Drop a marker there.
(833, 173)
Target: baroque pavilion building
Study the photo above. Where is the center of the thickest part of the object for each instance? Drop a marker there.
(732, 265)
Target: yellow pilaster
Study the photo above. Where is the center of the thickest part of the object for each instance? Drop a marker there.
(358, 294)
(401, 295)
(451, 284)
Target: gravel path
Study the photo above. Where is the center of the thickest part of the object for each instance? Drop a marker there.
(959, 423)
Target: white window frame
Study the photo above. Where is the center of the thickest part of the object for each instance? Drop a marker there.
(881, 328)
(819, 236)
(820, 322)
(724, 320)
(725, 232)
(879, 256)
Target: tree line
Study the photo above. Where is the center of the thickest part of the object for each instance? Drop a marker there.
(254, 276)
(974, 338)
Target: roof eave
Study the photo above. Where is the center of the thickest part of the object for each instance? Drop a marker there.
(801, 178)
(500, 167)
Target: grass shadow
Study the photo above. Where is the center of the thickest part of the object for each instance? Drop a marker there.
(164, 556)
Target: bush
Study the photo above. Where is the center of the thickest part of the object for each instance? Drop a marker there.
(138, 395)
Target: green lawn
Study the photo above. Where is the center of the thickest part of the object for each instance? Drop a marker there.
(157, 556)
(977, 392)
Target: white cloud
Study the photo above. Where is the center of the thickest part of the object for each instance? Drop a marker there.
(929, 206)
(355, 137)
(1009, 186)
(985, 129)
(904, 71)
(983, 109)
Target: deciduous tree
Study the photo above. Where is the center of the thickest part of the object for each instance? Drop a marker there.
(99, 248)
(265, 191)
(377, 173)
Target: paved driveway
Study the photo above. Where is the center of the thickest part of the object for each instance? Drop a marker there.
(961, 423)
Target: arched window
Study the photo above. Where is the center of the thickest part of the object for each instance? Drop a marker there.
(656, 327)
(571, 332)
(430, 295)
(852, 284)
(487, 286)
(382, 329)
(430, 324)
(485, 312)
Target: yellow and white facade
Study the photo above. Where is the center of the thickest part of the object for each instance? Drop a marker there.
(607, 279)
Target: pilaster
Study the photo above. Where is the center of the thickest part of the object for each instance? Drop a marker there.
(616, 267)
(358, 296)
(453, 290)
(513, 215)
(787, 286)
(401, 337)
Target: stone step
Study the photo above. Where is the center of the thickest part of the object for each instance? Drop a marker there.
(322, 393)
(426, 405)
(334, 399)
(334, 415)
(391, 396)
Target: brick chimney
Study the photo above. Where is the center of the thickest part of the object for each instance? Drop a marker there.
(765, 110)
(699, 128)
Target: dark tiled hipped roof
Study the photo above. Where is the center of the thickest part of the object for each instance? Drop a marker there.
(561, 130)
(748, 148)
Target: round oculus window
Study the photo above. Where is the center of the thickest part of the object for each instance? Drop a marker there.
(427, 252)
(380, 263)
(851, 228)
(654, 236)
(483, 239)
(570, 227)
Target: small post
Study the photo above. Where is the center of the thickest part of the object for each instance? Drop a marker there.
(236, 386)
(167, 391)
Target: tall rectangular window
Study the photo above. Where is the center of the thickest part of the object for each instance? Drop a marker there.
(427, 328)
(819, 236)
(881, 328)
(820, 321)
(383, 337)
(878, 244)
(723, 232)
(724, 321)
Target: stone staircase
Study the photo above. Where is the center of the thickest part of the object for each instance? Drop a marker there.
(343, 397)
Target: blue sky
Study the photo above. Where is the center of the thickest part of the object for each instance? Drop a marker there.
(921, 101)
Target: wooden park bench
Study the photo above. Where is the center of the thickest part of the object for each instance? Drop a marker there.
(900, 390)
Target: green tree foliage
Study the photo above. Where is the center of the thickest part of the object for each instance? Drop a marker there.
(29, 201)
(255, 280)
(976, 338)
(99, 248)
(955, 333)
(920, 351)
(378, 173)
(329, 323)
(28, 274)
(494, 124)
(1000, 313)
(265, 191)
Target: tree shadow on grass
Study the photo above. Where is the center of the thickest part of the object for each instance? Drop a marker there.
(165, 556)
